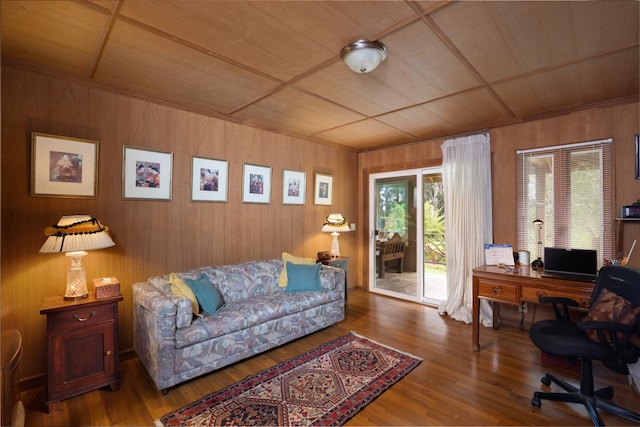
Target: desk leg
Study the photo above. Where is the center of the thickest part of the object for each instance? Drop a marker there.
(475, 320)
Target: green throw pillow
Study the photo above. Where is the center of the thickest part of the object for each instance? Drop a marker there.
(303, 277)
(287, 257)
(209, 297)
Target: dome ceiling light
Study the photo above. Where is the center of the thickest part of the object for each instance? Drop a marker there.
(363, 56)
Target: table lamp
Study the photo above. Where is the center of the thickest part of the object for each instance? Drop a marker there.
(334, 224)
(74, 235)
(538, 264)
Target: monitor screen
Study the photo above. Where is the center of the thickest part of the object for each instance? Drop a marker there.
(566, 260)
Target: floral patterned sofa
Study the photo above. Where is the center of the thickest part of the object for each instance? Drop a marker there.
(175, 345)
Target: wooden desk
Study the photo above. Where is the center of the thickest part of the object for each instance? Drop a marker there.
(11, 410)
(495, 284)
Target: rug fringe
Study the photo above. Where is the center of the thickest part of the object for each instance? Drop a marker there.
(158, 423)
(386, 346)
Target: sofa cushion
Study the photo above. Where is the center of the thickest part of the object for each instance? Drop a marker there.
(236, 316)
(208, 295)
(287, 257)
(302, 278)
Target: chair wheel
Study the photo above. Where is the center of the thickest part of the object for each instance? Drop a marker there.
(535, 402)
(546, 381)
(605, 393)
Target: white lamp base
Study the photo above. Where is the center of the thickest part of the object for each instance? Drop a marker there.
(335, 246)
(76, 277)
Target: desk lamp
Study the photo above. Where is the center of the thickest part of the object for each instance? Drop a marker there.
(334, 224)
(538, 264)
(74, 235)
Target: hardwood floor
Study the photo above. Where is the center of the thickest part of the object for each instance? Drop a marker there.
(452, 386)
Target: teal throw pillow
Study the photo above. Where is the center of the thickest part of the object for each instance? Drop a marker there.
(208, 296)
(303, 277)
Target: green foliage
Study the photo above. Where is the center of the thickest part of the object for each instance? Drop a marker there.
(433, 220)
(396, 221)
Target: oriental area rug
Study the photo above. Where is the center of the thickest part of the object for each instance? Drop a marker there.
(324, 386)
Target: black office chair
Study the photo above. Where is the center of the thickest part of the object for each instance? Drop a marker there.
(616, 348)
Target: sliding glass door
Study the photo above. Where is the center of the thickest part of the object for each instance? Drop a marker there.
(406, 214)
(434, 289)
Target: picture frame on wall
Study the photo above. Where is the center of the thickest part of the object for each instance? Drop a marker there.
(638, 156)
(294, 184)
(323, 189)
(209, 180)
(63, 166)
(146, 174)
(256, 184)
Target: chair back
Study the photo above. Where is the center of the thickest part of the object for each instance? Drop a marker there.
(625, 282)
(392, 246)
(620, 279)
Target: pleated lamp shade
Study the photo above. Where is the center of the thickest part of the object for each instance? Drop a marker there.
(74, 235)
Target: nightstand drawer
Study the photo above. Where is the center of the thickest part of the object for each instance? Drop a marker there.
(83, 316)
(533, 295)
(498, 292)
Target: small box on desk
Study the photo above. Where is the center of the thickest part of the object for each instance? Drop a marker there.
(106, 287)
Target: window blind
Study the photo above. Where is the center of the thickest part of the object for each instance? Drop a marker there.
(570, 188)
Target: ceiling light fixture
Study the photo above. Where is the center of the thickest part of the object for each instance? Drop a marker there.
(363, 56)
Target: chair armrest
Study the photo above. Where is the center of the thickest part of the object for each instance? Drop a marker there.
(613, 338)
(556, 302)
(605, 326)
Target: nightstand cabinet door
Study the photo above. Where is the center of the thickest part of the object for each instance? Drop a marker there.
(81, 359)
(82, 346)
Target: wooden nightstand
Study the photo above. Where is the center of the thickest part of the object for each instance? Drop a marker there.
(82, 346)
(341, 262)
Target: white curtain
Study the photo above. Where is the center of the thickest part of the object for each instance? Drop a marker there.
(466, 176)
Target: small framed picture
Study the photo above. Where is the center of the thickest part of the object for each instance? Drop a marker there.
(323, 189)
(63, 167)
(146, 174)
(637, 156)
(256, 184)
(293, 187)
(209, 180)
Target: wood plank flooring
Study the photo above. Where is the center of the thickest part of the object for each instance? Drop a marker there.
(452, 386)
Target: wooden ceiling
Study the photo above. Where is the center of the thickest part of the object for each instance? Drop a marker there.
(452, 67)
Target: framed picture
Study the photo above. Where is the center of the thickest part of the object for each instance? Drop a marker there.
(63, 167)
(146, 174)
(256, 184)
(323, 189)
(637, 156)
(293, 187)
(209, 180)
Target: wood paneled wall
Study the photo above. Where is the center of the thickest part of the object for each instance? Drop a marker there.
(152, 237)
(621, 122)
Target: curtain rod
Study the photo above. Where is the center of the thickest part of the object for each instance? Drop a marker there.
(444, 138)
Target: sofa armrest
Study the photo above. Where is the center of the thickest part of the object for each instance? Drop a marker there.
(332, 278)
(154, 332)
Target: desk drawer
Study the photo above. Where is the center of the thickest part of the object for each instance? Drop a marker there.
(533, 294)
(498, 292)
